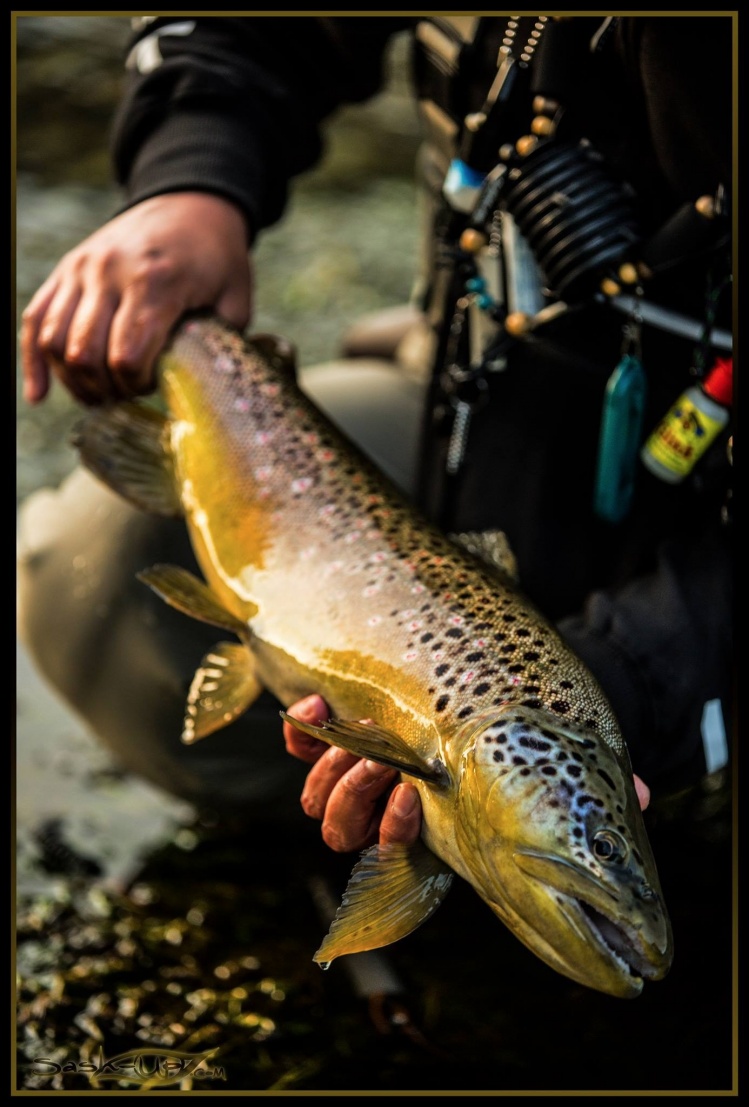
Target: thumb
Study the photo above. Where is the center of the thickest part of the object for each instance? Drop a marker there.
(235, 305)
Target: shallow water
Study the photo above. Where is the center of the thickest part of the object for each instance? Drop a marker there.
(142, 925)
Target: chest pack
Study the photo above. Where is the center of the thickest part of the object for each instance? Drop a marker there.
(532, 222)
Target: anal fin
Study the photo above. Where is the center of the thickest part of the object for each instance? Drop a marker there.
(392, 890)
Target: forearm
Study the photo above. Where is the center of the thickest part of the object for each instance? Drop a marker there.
(234, 106)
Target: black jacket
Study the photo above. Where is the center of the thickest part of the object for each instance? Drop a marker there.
(233, 105)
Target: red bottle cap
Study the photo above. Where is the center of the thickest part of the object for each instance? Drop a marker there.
(719, 381)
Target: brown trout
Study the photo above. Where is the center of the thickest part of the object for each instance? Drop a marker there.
(332, 583)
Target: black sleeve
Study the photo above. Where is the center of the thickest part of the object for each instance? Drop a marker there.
(661, 649)
(233, 106)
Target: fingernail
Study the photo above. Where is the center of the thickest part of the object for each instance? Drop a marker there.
(374, 768)
(367, 774)
(309, 708)
(404, 800)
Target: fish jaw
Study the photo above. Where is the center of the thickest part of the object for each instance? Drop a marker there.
(553, 835)
(602, 938)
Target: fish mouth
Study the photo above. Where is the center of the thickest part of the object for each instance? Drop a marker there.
(588, 906)
(613, 938)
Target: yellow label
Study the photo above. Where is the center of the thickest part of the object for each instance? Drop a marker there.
(682, 436)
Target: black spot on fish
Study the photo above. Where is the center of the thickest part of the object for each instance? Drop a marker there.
(509, 618)
(450, 681)
(454, 632)
(532, 702)
(525, 772)
(534, 744)
(441, 669)
(437, 646)
(560, 705)
(476, 656)
(531, 655)
(607, 778)
(523, 633)
(518, 760)
(515, 668)
(577, 756)
(577, 831)
(500, 636)
(574, 770)
(465, 712)
(498, 755)
(561, 756)
(481, 688)
(566, 684)
(427, 637)
(442, 703)
(549, 770)
(619, 809)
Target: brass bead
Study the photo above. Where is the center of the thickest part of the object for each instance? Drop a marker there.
(609, 287)
(706, 206)
(628, 273)
(542, 125)
(475, 121)
(644, 271)
(517, 323)
(506, 151)
(542, 104)
(526, 145)
(472, 240)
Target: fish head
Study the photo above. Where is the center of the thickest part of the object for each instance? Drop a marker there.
(552, 835)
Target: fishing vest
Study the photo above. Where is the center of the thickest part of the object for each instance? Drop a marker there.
(528, 220)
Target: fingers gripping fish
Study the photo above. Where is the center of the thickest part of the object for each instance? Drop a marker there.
(524, 779)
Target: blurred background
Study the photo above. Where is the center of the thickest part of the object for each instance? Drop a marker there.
(141, 925)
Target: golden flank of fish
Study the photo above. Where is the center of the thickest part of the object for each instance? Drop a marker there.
(332, 583)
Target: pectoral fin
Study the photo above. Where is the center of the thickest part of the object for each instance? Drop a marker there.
(222, 689)
(376, 743)
(127, 447)
(181, 589)
(392, 890)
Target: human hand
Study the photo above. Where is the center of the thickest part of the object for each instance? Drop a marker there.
(349, 794)
(346, 792)
(103, 315)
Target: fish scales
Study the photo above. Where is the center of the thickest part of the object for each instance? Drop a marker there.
(335, 584)
(455, 632)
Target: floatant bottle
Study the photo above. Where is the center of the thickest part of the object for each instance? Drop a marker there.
(690, 425)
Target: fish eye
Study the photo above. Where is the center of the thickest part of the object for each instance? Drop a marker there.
(609, 847)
